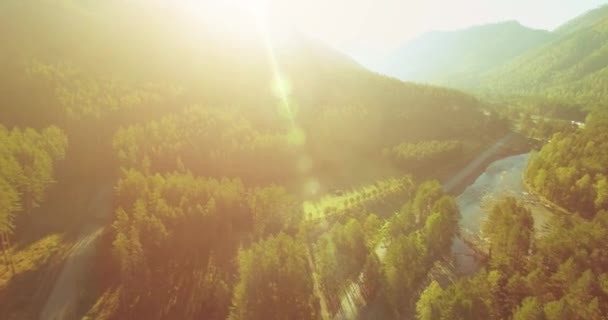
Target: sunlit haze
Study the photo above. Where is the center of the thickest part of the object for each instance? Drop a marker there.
(362, 27)
(370, 28)
(303, 159)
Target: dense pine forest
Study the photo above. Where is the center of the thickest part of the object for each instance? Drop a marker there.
(160, 165)
(570, 169)
(558, 272)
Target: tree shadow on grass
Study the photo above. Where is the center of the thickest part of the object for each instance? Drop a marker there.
(20, 296)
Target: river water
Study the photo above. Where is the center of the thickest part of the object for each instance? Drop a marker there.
(501, 178)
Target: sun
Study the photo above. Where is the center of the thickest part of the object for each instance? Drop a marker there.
(255, 8)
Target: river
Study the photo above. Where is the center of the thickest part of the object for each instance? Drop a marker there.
(501, 178)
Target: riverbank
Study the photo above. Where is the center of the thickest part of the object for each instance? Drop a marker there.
(471, 168)
(554, 207)
(501, 178)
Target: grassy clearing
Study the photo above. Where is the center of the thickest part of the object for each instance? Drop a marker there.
(20, 291)
(106, 305)
(30, 258)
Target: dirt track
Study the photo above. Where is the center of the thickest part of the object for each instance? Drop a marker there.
(69, 287)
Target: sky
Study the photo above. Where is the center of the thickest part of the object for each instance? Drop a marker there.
(372, 28)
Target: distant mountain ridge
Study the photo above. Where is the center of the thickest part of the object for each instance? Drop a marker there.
(572, 68)
(440, 57)
(508, 59)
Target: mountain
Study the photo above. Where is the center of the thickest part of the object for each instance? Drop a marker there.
(573, 67)
(93, 68)
(214, 130)
(71, 51)
(447, 57)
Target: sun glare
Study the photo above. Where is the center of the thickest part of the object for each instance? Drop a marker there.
(255, 8)
(258, 8)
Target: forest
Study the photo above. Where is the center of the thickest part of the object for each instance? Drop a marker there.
(207, 201)
(570, 169)
(155, 170)
(512, 61)
(27, 163)
(559, 275)
(425, 153)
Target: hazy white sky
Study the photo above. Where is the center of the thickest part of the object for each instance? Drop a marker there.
(372, 27)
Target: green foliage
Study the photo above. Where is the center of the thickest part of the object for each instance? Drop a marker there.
(426, 154)
(9, 205)
(273, 210)
(506, 61)
(584, 21)
(561, 276)
(194, 206)
(441, 226)
(372, 227)
(170, 225)
(406, 252)
(570, 169)
(81, 96)
(464, 300)
(274, 282)
(340, 256)
(570, 68)
(168, 214)
(27, 159)
(530, 309)
(510, 231)
(208, 142)
(360, 200)
(427, 307)
(153, 69)
(414, 243)
(454, 57)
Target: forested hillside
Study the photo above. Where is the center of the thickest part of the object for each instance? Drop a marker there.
(558, 275)
(27, 163)
(554, 272)
(510, 63)
(84, 83)
(214, 153)
(572, 68)
(583, 21)
(452, 58)
(163, 162)
(570, 170)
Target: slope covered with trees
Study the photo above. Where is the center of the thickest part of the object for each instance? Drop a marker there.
(27, 164)
(557, 275)
(572, 68)
(372, 252)
(274, 282)
(424, 154)
(176, 237)
(215, 152)
(570, 170)
(507, 62)
(160, 64)
(583, 21)
(418, 236)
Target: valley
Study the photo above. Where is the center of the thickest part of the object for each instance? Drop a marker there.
(215, 160)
